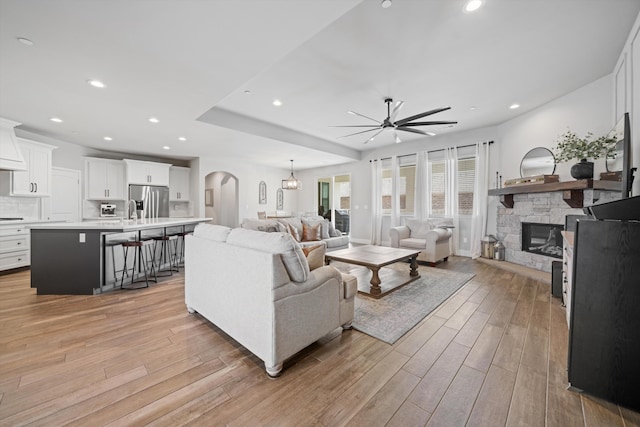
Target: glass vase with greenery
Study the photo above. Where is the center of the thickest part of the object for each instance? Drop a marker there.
(571, 147)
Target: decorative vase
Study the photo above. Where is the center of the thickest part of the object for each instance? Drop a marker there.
(582, 170)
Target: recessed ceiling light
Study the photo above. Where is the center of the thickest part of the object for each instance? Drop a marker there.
(108, 138)
(166, 147)
(472, 107)
(385, 3)
(182, 138)
(154, 120)
(277, 102)
(56, 119)
(514, 106)
(96, 83)
(24, 41)
(247, 92)
(473, 5)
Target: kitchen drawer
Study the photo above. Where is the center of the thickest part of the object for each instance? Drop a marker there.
(13, 230)
(14, 260)
(14, 243)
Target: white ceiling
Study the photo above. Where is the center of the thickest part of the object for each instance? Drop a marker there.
(189, 63)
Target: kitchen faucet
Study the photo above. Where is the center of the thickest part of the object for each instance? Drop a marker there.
(133, 213)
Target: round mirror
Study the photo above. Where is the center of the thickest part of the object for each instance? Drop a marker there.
(538, 161)
(615, 158)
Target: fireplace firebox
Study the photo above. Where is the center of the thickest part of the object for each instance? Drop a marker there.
(542, 239)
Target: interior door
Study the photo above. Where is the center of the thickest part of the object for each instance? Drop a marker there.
(65, 195)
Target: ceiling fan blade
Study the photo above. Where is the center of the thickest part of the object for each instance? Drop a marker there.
(396, 138)
(364, 131)
(396, 110)
(421, 132)
(418, 116)
(441, 122)
(371, 139)
(355, 126)
(362, 115)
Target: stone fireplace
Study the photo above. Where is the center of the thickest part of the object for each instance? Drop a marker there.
(540, 208)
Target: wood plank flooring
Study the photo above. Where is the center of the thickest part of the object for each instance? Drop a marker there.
(493, 354)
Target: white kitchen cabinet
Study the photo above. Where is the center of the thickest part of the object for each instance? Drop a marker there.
(179, 181)
(104, 179)
(36, 180)
(14, 246)
(147, 173)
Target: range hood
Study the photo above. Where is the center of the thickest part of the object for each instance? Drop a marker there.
(10, 155)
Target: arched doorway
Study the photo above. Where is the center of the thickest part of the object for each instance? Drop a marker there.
(221, 198)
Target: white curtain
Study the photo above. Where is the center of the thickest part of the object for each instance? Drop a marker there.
(481, 187)
(422, 200)
(451, 192)
(376, 201)
(395, 192)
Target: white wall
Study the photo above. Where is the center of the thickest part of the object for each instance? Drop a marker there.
(626, 91)
(587, 109)
(249, 177)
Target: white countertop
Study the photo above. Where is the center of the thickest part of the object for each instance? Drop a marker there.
(26, 221)
(119, 225)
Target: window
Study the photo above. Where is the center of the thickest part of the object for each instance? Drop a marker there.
(406, 188)
(466, 182)
(437, 180)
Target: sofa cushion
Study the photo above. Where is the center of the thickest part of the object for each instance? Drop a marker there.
(315, 255)
(275, 243)
(267, 225)
(311, 233)
(413, 243)
(336, 242)
(217, 233)
(419, 228)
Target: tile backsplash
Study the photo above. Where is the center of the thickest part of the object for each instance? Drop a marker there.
(20, 207)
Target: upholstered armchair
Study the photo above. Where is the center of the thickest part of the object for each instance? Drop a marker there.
(432, 237)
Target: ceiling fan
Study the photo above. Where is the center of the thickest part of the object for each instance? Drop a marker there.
(407, 124)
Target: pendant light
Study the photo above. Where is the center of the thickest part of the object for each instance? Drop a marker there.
(291, 183)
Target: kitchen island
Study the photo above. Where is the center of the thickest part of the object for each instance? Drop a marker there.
(70, 258)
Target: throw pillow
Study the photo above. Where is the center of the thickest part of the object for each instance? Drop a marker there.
(294, 232)
(311, 234)
(332, 231)
(268, 228)
(315, 255)
(324, 225)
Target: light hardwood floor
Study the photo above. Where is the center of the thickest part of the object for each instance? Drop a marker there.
(493, 354)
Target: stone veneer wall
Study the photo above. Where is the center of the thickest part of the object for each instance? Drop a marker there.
(545, 208)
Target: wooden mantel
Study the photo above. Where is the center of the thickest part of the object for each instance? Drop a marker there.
(572, 191)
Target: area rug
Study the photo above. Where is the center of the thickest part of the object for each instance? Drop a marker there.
(391, 316)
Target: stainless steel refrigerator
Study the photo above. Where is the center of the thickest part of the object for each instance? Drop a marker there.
(151, 201)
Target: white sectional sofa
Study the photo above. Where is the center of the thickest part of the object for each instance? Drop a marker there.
(328, 234)
(258, 288)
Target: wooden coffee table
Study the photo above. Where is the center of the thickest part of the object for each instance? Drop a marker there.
(374, 258)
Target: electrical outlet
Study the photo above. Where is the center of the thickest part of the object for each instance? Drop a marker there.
(83, 237)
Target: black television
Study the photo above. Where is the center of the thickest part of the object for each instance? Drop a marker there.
(622, 209)
(627, 168)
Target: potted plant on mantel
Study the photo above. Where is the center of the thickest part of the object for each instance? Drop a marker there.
(571, 147)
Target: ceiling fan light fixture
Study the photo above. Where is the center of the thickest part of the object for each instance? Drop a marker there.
(385, 4)
(291, 183)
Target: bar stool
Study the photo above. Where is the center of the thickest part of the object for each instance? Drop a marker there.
(180, 243)
(139, 259)
(166, 244)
